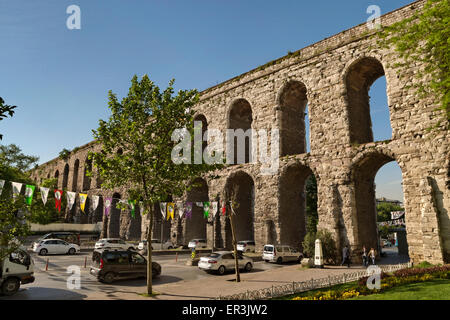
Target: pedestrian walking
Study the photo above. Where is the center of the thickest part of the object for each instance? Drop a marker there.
(364, 257)
(372, 255)
(346, 256)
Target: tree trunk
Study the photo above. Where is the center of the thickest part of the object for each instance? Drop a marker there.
(149, 252)
(236, 261)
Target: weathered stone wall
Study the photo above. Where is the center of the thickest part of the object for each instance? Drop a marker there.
(333, 77)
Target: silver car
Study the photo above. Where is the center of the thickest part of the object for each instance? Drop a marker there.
(222, 261)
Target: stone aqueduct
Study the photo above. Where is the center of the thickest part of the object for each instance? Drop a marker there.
(332, 77)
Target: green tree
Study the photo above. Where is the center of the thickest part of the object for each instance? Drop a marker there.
(312, 216)
(5, 111)
(136, 147)
(384, 210)
(329, 249)
(424, 38)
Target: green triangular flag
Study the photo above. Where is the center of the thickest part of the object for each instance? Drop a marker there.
(133, 206)
(206, 209)
(29, 191)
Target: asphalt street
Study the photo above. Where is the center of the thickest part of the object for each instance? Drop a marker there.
(53, 283)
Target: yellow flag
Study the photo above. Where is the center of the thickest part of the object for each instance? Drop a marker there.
(83, 198)
(170, 210)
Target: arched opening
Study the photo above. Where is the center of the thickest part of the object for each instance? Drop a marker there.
(134, 229)
(114, 217)
(76, 167)
(56, 176)
(86, 178)
(196, 224)
(240, 191)
(375, 227)
(294, 125)
(204, 127)
(240, 120)
(359, 80)
(297, 204)
(65, 177)
(98, 212)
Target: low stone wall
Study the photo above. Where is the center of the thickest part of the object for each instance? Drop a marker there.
(68, 227)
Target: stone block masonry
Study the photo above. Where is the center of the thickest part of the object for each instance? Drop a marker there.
(332, 78)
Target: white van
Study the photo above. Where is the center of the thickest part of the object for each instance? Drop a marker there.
(16, 269)
(280, 254)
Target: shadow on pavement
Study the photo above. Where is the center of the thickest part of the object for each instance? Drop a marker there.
(39, 293)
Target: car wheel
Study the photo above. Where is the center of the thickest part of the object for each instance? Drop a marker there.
(43, 252)
(72, 251)
(130, 248)
(155, 273)
(221, 270)
(280, 260)
(266, 260)
(248, 267)
(170, 248)
(10, 286)
(109, 277)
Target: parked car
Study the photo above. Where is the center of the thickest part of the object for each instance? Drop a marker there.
(222, 261)
(69, 237)
(15, 269)
(281, 253)
(108, 266)
(197, 243)
(156, 245)
(113, 243)
(55, 246)
(246, 246)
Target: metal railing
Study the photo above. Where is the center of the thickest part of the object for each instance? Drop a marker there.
(298, 287)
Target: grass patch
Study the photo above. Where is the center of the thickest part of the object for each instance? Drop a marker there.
(437, 289)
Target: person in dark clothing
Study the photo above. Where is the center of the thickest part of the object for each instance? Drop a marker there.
(364, 257)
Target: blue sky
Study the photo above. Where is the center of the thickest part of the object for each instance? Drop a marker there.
(60, 78)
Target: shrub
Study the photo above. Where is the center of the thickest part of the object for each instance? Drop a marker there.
(328, 245)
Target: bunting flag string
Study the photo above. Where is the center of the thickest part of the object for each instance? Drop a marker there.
(170, 210)
(83, 198)
(214, 207)
(199, 204)
(132, 204)
(188, 210)
(2, 184)
(95, 201)
(206, 209)
(44, 194)
(108, 203)
(58, 197)
(180, 208)
(16, 187)
(141, 207)
(29, 191)
(163, 207)
(70, 199)
(224, 209)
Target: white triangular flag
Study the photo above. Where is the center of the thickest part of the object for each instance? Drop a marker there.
(2, 183)
(214, 207)
(16, 186)
(95, 200)
(163, 207)
(141, 207)
(70, 199)
(199, 204)
(180, 208)
(44, 194)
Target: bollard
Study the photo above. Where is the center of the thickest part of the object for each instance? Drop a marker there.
(46, 265)
(176, 257)
(85, 260)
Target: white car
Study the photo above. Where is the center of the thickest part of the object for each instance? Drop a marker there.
(55, 246)
(221, 261)
(156, 245)
(246, 246)
(197, 243)
(113, 243)
(280, 254)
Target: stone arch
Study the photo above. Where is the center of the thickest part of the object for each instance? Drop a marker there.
(204, 122)
(240, 117)
(240, 188)
(358, 78)
(292, 204)
(292, 101)
(114, 217)
(86, 178)
(65, 177)
(364, 170)
(76, 168)
(195, 227)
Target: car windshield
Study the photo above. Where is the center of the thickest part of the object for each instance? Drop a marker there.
(241, 242)
(214, 255)
(268, 248)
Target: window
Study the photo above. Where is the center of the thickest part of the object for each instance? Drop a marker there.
(137, 258)
(61, 242)
(227, 256)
